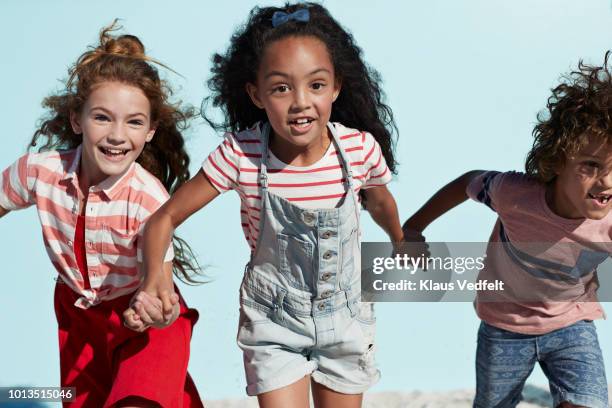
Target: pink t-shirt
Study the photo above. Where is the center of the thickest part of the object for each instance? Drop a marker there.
(547, 262)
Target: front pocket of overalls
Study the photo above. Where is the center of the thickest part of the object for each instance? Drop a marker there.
(295, 260)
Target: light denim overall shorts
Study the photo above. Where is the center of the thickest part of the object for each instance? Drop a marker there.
(300, 309)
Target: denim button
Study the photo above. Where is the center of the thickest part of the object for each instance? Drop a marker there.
(308, 218)
(326, 294)
(327, 255)
(326, 234)
(321, 306)
(326, 276)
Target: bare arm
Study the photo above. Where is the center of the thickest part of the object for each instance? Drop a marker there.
(191, 197)
(3, 212)
(383, 209)
(448, 197)
(156, 304)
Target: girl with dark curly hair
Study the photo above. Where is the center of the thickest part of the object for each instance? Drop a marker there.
(113, 148)
(554, 228)
(308, 134)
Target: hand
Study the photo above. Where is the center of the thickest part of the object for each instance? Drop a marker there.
(152, 306)
(414, 245)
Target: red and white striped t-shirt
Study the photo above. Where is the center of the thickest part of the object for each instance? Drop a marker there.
(235, 164)
(115, 215)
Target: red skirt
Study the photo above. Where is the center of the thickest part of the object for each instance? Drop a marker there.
(107, 362)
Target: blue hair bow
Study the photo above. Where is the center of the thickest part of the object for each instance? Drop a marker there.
(280, 17)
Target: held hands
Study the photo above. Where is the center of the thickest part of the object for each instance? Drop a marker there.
(153, 305)
(414, 244)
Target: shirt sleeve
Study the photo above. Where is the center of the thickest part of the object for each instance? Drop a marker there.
(485, 188)
(222, 165)
(376, 171)
(17, 188)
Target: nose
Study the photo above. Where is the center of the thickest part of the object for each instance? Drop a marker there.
(606, 180)
(301, 100)
(116, 134)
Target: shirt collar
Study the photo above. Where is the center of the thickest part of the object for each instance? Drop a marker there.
(110, 186)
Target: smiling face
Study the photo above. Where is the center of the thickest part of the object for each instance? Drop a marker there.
(115, 122)
(583, 187)
(296, 85)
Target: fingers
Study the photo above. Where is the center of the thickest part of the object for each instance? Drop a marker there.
(132, 321)
(149, 308)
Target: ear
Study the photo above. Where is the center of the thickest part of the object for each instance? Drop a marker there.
(150, 135)
(337, 88)
(74, 123)
(251, 89)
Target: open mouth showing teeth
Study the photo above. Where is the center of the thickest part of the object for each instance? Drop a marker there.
(601, 198)
(113, 152)
(302, 122)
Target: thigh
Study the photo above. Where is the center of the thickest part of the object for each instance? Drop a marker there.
(83, 362)
(504, 360)
(571, 359)
(295, 395)
(152, 366)
(326, 398)
(347, 364)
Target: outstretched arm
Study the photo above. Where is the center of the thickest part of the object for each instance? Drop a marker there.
(448, 197)
(158, 284)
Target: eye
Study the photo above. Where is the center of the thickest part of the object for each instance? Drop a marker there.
(101, 118)
(280, 89)
(136, 122)
(592, 164)
(318, 86)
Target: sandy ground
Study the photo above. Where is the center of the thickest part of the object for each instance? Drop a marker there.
(533, 397)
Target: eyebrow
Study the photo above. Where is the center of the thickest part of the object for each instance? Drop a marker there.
(111, 113)
(279, 73)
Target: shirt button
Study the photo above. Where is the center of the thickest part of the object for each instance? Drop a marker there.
(326, 294)
(327, 255)
(69, 243)
(321, 306)
(326, 276)
(326, 234)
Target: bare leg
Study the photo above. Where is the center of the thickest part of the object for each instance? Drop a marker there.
(325, 398)
(294, 395)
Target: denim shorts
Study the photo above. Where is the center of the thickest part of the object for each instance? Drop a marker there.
(285, 338)
(570, 358)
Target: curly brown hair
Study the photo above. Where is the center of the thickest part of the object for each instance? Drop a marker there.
(578, 112)
(122, 59)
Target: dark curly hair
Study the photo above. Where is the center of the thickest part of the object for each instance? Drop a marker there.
(360, 104)
(578, 111)
(123, 59)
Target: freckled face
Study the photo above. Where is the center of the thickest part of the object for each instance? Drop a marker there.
(583, 187)
(115, 123)
(296, 85)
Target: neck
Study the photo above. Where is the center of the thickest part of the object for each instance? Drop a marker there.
(300, 156)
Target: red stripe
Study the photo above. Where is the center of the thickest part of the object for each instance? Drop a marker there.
(215, 182)
(240, 153)
(349, 136)
(227, 160)
(212, 161)
(381, 174)
(369, 153)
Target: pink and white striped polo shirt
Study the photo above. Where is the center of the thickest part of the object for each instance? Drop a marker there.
(235, 164)
(115, 215)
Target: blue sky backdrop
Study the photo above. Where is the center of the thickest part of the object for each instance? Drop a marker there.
(465, 79)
